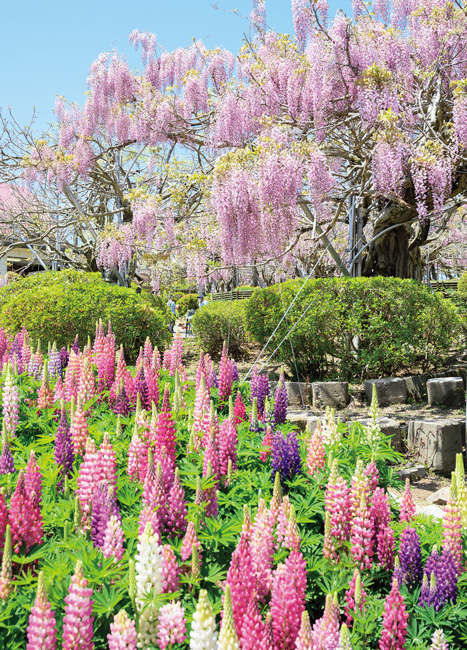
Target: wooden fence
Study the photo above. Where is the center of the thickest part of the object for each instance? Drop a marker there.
(233, 295)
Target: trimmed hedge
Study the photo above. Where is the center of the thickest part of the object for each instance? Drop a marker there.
(186, 302)
(59, 305)
(211, 326)
(400, 324)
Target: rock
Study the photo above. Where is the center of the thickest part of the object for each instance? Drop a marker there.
(330, 393)
(299, 418)
(440, 497)
(294, 395)
(420, 471)
(392, 390)
(312, 423)
(435, 443)
(432, 511)
(446, 391)
(416, 387)
(389, 427)
(411, 473)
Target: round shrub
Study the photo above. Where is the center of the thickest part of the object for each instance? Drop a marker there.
(462, 285)
(55, 306)
(355, 327)
(211, 326)
(186, 302)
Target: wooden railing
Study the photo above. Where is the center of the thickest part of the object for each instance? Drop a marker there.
(233, 295)
(445, 285)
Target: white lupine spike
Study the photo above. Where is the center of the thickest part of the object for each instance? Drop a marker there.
(148, 565)
(203, 635)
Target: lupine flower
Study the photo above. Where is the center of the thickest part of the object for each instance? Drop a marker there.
(227, 445)
(253, 634)
(122, 632)
(381, 516)
(286, 455)
(104, 505)
(42, 628)
(203, 634)
(394, 621)
(428, 590)
(87, 383)
(344, 638)
(268, 440)
(355, 596)
(461, 488)
(137, 458)
(148, 566)
(443, 568)
(121, 403)
(408, 507)
(108, 461)
(239, 409)
(316, 454)
(166, 432)
(177, 510)
(3, 520)
(410, 556)
(7, 465)
(225, 376)
(228, 639)
(281, 402)
(288, 600)
(33, 479)
(337, 503)
(235, 374)
(63, 451)
(452, 532)
(79, 429)
(263, 393)
(262, 549)
(359, 486)
(63, 358)
(6, 572)
(325, 630)
(241, 579)
(304, 639)
(438, 641)
(210, 425)
(254, 422)
(170, 570)
(45, 396)
(361, 536)
(113, 539)
(78, 619)
(187, 545)
(10, 403)
(171, 626)
(25, 517)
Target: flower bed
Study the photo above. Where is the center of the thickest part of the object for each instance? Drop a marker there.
(135, 507)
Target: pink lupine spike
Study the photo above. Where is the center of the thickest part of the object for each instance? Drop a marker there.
(6, 572)
(337, 503)
(10, 403)
(372, 474)
(59, 390)
(201, 407)
(137, 458)
(149, 515)
(355, 596)
(108, 461)
(359, 486)
(113, 539)
(316, 454)
(325, 631)
(152, 381)
(262, 549)
(408, 508)
(122, 632)
(161, 456)
(171, 625)
(225, 376)
(42, 628)
(211, 456)
(242, 581)
(329, 545)
(25, 517)
(189, 539)
(177, 509)
(383, 534)
(253, 635)
(45, 396)
(170, 570)
(90, 475)
(395, 619)
(33, 479)
(4, 520)
(292, 538)
(304, 639)
(78, 619)
(166, 431)
(87, 384)
(79, 428)
(227, 445)
(210, 424)
(361, 536)
(452, 532)
(288, 600)
(239, 409)
(282, 520)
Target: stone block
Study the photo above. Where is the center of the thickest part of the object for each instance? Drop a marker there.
(299, 418)
(432, 511)
(312, 423)
(446, 391)
(416, 387)
(389, 427)
(330, 393)
(435, 443)
(293, 393)
(391, 390)
(440, 497)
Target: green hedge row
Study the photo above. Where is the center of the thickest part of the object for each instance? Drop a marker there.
(59, 305)
(220, 321)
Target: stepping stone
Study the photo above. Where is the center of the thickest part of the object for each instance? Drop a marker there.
(391, 390)
(416, 387)
(334, 394)
(435, 443)
(446, 391)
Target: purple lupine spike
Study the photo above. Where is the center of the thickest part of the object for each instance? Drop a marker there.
(410, 556)
(285, 455)
(443, 567)
(7, 465)
(104, 505)
(235, 373)
(281, 402)
(75, 346)
(63, 453)
(254, 384)
(263, 393)
(64, 356)
(55, 365)
(141, 387)
(214, 380)
(428, 591)
(122, 403)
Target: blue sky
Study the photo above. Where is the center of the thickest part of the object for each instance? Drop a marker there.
(47, 47)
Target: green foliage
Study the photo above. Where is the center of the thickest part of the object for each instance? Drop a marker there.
(399, 323)
(218, 321)
(186, 302)
(55, 306)
(462, 285)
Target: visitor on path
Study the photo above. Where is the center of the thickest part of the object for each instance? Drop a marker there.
(202, 300)
(173, 307)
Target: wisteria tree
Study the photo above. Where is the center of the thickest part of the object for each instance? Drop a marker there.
(261, 158)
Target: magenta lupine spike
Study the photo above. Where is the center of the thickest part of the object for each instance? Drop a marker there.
(147, 350)
(170, 570)
(253, 635)
(241, 579)
(79, 429)
(288, 600)
(122, 632)
(210, 424)
(372, 474)
(200, 371)
(201, 407)
(239, 409)
(122, 371)
(408, 508)
(225, 376)
(325, 632)
(208, 368)
(137, 458)
(90, 475)
(228, 439)
(361, 536)
(153, 385)
(73, 371)
(166, 360)
(177, 509)
(166, 431)
(394, 621)
(292, 539)
(282, 519)
(337, 503)
(262, 549)
(42, 628)
(210, 496)
(10, 403)
(189, 539)
(161, 456)
(156, 361)
(104, 505)
(329, 545)
(316, 454)
(452, 533)
(171, 625)
(113, 539)
(45, 396)
(305, 638)
(382, 533)
(268, 440)
(33, 479)
(176, 355)
(355, 596)
(149, 515)
(59, 390)
(211, 455)
(108, 461)
(25, 518)
(281, 402)
(359, 486)
(4, 520)
(3, 342)
(78, 619)
(141, 388)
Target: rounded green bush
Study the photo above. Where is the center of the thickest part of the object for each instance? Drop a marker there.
(186, 302)
(57, 306)
(220, 321)
(462, 285)
(355, 327)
